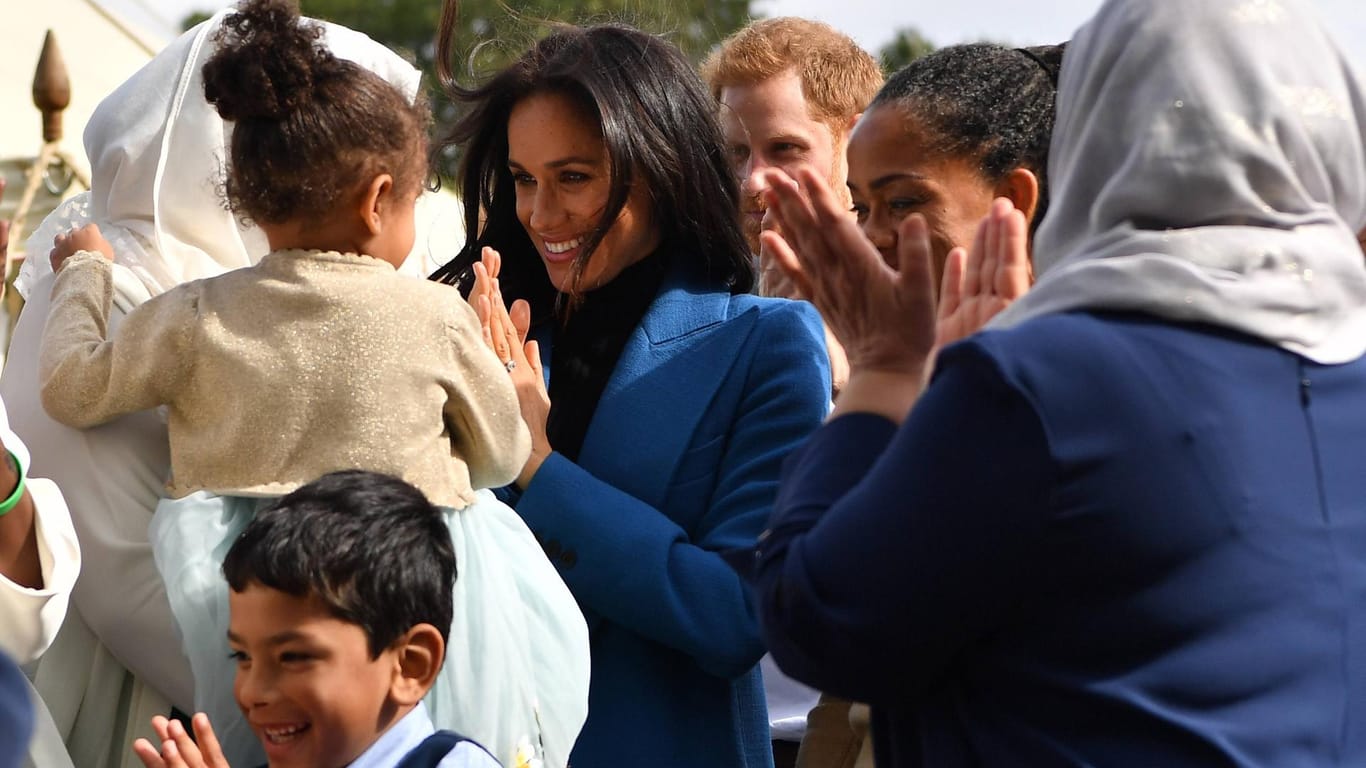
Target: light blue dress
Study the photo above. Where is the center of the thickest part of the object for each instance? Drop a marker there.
(518, 645)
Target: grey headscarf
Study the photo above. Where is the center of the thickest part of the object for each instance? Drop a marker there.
(1209, 165)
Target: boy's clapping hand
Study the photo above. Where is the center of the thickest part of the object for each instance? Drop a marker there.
(178, 750)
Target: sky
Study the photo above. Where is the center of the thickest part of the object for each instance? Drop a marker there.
(1021, 22)
(874, 22)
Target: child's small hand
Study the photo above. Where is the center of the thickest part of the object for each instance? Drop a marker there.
(178, 750)
(87, 238)
(482, 297)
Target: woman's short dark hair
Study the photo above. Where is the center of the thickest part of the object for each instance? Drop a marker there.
(369, 546)
(988, 103)
(308, 126)
(658, 126)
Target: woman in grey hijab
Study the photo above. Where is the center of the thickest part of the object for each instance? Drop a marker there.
(1123, 526)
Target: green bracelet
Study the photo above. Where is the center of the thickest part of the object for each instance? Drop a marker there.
(10, 503)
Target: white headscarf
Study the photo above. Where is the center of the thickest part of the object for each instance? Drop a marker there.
(157, 152)
(1208, 165)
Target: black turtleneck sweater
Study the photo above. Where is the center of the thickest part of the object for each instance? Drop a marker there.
(587, 345)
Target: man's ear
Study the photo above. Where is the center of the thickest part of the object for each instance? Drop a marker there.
(374, 197)
(1021, 187)
(842, 140)
(418, 654)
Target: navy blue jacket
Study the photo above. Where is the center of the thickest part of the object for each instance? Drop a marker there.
(1098, 540)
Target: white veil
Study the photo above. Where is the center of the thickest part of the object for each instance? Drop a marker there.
(113, 475)
(1208, 164)
(171, 226)
(519, 651)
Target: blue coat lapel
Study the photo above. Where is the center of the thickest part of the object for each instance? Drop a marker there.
(671, 367)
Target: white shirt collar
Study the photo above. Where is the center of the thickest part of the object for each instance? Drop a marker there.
(401, 738)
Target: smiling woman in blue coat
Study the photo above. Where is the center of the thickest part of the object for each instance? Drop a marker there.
(612, 277)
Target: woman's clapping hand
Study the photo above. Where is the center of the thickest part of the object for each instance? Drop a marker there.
(883, 317)
(981, 281)
(888, 319)
(505, 332)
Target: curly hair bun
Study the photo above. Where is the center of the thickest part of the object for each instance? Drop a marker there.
(267, 62)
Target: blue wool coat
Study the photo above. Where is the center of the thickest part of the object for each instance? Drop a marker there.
(680, 463)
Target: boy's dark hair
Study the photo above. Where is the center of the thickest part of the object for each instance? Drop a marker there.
(991, 104)
(308, 126)
(659, 129)
(369, 546)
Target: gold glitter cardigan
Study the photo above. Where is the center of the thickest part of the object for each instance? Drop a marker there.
(276, 374)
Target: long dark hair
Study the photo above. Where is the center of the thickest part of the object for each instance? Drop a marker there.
(658, 127)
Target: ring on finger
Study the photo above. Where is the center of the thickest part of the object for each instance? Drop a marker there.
(509, 365)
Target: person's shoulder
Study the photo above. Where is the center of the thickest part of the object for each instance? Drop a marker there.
(1069, 357)
(782, 331)
(424, 284)
(776, 314)
(439, 294)
(1082, 335)
(787, 343)
(742, 302)
(418, 297)
(186, 297)
(468, 754)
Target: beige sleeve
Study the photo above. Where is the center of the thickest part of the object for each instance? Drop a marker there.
(88, 378)
(485, 421)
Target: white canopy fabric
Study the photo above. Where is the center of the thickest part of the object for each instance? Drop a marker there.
(100, 51)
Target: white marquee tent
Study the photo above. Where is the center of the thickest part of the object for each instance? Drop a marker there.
(100, 51)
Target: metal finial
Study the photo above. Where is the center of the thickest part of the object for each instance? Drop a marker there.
(51, 88)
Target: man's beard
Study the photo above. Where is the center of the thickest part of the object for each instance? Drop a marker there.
(835, 178)
(752, 225)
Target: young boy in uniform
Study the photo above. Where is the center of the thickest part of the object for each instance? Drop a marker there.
(340, 610)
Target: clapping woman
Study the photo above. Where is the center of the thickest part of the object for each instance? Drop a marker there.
(1124, 526)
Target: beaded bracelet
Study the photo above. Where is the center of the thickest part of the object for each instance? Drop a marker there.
(10, 503)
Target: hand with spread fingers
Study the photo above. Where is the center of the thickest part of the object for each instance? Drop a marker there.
(481, 297)
(982, 281)
(505, 332)
(884, 317)
(178, 750)
(774, 280)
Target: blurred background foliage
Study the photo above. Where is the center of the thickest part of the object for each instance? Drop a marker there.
(908, 45)
(492, 33)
